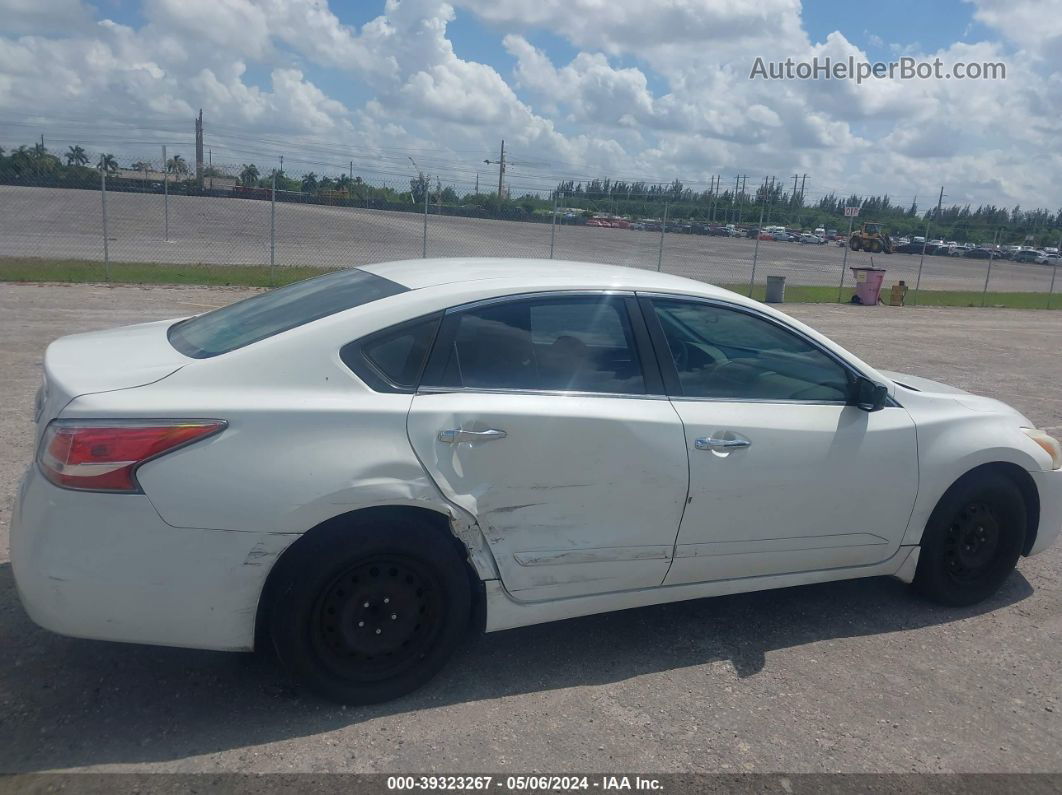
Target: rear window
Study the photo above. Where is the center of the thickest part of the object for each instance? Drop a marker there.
(264, 315)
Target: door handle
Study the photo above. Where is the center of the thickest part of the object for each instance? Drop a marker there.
(457, 435)
(715, 443)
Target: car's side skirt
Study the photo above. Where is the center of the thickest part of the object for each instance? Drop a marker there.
(504, 612)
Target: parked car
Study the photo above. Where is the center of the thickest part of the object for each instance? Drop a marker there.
(981, 253)
(1047, 259)
(909, 248)
(1027, 255)
(808, 237)
(352, 467)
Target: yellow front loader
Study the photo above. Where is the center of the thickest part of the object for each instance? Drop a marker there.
(870, 237)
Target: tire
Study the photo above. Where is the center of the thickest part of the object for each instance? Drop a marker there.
(371, 612)
(874, 246)
(854, 243)
(972, 542)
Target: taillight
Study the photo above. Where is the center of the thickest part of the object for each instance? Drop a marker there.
(103, 455)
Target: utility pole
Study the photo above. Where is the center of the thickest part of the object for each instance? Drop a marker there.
(477, 183)
(792, 199)
(501, 170)
(199, 149)
(802, 181)
(922, 259)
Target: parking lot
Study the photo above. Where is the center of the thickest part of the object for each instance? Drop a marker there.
(856, 676)
(53, 223)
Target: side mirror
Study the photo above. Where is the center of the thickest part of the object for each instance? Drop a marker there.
(868, 395)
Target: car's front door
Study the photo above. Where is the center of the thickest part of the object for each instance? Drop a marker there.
(545, 418)
(785, 475)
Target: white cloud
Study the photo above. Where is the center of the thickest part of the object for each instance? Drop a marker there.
(651, 90)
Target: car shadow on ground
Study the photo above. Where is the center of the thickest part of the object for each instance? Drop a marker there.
(67, 703)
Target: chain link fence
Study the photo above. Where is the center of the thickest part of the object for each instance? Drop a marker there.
(159, 214)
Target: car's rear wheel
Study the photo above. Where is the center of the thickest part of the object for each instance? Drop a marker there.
(371, 613)
(972, 541)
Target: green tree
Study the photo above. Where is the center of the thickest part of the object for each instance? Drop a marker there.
(309, 183)
(177, 165)
(107, 162)
(75, 156)
(249, 174)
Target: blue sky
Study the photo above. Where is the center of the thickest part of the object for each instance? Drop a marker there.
(631, 89)
(927, 25)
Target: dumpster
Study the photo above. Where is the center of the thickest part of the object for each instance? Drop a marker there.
(775, 290)
(868, 285)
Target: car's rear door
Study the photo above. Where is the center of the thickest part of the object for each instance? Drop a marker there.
(785, 475)
(544, 417)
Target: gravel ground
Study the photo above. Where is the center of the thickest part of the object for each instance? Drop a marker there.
(855, 676)
(60, 223)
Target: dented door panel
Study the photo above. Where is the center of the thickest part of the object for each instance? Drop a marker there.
(583, 494)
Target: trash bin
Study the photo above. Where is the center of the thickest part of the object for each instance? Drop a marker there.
(868, 285)
(775, 290)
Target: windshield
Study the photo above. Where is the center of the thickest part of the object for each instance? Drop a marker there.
(276, 311)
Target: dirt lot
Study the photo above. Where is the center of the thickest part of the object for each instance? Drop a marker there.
(59, 223)
(854, 676)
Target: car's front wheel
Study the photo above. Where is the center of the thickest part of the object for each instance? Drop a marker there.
(370, 613)
(973, 540)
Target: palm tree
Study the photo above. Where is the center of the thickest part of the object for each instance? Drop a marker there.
(177, 165)
(343, 182)
(107, 162)
(75, 156)
(140, 165)
(249, 174)
(309, 183)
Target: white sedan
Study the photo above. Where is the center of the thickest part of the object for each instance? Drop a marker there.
(353, 467)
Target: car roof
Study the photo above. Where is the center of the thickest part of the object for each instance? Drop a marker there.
(421, 273)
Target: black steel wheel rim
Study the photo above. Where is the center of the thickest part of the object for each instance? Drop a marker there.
(379, 616)
(971, 543)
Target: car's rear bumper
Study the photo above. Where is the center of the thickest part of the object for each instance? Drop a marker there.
(106, 566)
(1049, 486)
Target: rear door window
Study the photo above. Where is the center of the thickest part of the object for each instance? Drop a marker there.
(552, 343)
